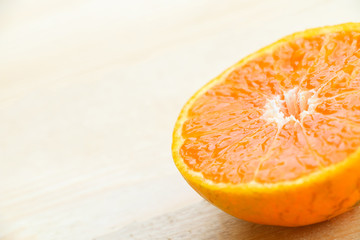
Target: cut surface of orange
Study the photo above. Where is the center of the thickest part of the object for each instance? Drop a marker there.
(275, 139)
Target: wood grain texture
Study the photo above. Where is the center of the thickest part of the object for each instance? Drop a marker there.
(203, 221)
(89, 94)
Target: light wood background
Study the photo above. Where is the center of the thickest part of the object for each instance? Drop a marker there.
(89, 93)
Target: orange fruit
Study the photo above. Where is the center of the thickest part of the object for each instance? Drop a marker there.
(275, 139)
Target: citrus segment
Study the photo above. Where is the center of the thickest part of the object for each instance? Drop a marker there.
(231, 124)
(294, 58)
(225, 156)
(256, 75)
(331, 138)
(289, 156)
(227, 97)
(344, 106)
(347, 79)
(335, 52)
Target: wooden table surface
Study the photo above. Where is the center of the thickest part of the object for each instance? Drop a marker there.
(89, 94)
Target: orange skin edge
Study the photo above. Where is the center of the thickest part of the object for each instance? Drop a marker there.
(313, 198)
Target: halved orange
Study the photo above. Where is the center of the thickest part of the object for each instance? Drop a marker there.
(275, 139)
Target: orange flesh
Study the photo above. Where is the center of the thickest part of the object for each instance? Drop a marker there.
(280, 116)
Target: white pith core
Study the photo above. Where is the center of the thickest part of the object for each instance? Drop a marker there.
(294, 105)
